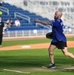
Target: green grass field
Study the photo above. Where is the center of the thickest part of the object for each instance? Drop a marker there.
(31, 60)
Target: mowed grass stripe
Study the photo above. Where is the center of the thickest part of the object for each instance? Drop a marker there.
(32, 58)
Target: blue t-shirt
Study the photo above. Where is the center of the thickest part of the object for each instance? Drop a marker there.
(57, 31)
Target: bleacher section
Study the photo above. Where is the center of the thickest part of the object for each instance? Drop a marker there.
(25, 25)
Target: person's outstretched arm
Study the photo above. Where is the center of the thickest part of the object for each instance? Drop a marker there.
(42, 22)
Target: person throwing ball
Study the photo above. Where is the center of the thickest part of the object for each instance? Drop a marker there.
(58, 38)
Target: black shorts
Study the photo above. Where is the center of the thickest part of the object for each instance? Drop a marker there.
(59, 44)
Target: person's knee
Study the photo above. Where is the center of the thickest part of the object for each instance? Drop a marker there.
(50, 51)
(66, 53)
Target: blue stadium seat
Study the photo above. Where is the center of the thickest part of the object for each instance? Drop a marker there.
(24, 23)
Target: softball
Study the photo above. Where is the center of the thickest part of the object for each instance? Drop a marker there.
(1, 13)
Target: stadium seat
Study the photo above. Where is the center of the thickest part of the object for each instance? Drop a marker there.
(24, 23)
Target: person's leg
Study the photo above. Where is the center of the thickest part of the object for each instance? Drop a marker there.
(66, 53)
(51, 55)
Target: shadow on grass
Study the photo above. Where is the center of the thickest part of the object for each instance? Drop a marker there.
(30, 61)
(27, 61)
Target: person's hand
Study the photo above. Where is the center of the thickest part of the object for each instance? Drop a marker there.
(37, 20)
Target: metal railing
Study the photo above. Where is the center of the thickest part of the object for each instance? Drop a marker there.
(16, 14)
(25, 33)
(32, 33)
(3, 9)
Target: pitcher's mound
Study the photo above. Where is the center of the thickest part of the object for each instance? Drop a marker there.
(69, 68)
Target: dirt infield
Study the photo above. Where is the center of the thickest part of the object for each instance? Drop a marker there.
(34, 46)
